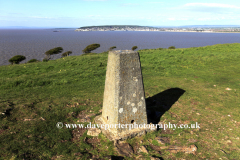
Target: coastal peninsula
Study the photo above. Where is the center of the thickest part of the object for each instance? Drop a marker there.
(228, 29)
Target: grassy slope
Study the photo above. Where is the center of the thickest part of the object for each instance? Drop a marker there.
(47, 89)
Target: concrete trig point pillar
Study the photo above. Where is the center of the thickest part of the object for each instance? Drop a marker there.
(124, 98)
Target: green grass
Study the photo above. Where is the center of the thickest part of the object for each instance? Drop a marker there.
(54, 89)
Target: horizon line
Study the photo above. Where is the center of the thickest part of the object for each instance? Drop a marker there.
(32, 27)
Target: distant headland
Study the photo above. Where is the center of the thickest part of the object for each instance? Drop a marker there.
(117, 28)
(227, 29)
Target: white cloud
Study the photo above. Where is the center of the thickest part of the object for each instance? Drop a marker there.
(155, 2)
(178, 19)
(38, 17)
(94, 16)
(171, 19)
(95, 0)
(214, 5)
(213, 8)
(130, 4)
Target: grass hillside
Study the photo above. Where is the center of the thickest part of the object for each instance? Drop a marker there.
(35, 96)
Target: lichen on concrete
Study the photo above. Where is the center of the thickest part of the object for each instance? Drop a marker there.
(124, 97)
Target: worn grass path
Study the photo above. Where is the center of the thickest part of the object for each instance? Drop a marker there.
(44, 93)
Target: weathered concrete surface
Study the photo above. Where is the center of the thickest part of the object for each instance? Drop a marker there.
(111, 134)
(124, 97)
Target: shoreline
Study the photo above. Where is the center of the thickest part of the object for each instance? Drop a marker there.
(55, 58)
(23, 42)
(158, 31)
(200, 32)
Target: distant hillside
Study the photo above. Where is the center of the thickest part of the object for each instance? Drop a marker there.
(199, 26)
(115, 26)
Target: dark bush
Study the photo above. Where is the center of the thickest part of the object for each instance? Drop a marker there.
(53, 51)
(111, 48)
(171, 47)
(32, 60)
(91, 47)
(65, 54)
(16, 59)
(134, 48)
(101, 64)
(45, 59)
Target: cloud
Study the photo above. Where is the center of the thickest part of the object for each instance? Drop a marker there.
(109, 17)
(172, 19)
(178, 19)
(129, 4)
(210, 7)
(95, 0)
(155, 2)
(38, 17)
(94, 16)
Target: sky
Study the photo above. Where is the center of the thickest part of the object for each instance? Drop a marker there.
(78, 13)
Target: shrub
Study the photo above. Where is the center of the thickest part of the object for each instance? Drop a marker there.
(171, 47)
(101, 64)
(16, 59)
(111, 48)
(45, 59)
(32, 60)
(53, 51)
(134, 47)
(91, 47)
(65, 54)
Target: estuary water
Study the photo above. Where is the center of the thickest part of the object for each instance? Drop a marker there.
(33, 43)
